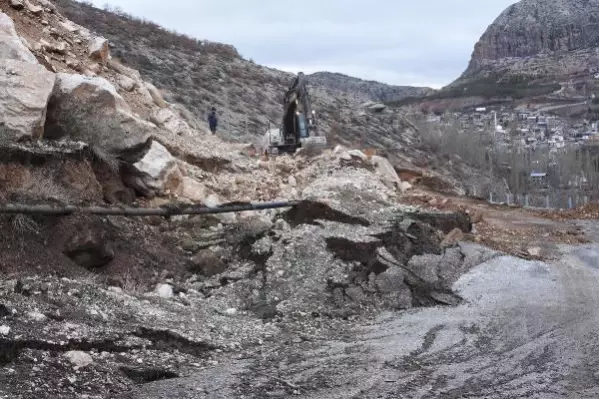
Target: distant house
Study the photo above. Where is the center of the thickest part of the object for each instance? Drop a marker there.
(480, 109)
(538, 179)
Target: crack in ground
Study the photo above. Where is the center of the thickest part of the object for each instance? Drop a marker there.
(11, 348)
(166, 340)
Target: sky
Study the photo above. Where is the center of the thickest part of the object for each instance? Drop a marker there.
(400, 42)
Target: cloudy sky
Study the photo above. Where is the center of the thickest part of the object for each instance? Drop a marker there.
(404, 42)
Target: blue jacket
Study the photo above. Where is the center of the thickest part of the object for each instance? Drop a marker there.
(212, 120)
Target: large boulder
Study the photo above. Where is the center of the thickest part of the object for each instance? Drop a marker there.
(157, 173)
(25, 86)
(25, 89)
(89, 109)
(99, 50)
(386, 171)
(11, 46)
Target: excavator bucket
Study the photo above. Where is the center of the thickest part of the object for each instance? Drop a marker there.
(314, 142)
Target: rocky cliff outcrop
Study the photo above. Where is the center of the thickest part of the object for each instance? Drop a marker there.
(545, 40)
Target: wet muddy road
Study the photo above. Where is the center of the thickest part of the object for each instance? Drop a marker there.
(524, 329)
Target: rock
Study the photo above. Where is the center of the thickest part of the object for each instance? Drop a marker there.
(446, 222)
(126, 83)
(167, 119)
(26, 89)
(69, 26)
(79, 359)
(58, 48)
(34, 9)
(534, 251)
(282, 225)
(73, 63)
(193, 190)
(231, 311)
(456, 235)
(477, 217)
(11, 46)
(156, 173)
(377, 107)
(164, 291)
(125, 71)
(213, 201)
(17, 4)
(4, 330)
(89, 249)
(386, 170)
(98, 50)
(48, 4)
(292, 181)
(37, 316)
(156, 95)
(358, 154)
(404, 186)
(207, 264)
(90, 110)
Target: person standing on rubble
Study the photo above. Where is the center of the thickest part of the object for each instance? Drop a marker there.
(213, 120)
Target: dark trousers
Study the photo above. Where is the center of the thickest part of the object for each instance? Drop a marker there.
(213, 129)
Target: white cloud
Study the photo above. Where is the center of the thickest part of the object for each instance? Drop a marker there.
(394, 41)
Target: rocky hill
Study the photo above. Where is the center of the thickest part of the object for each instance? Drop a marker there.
(366, 90)
(534, 44)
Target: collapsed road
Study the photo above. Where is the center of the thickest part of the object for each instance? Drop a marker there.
(524, 329)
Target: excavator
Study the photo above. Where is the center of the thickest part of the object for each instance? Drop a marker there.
(299, 126)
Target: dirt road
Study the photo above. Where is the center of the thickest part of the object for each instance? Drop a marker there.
(525, 329)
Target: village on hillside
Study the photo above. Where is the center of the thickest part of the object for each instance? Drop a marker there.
(525, 128)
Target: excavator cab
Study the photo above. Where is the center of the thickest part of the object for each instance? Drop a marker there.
(299, 127)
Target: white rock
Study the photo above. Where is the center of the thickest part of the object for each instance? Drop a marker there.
(34, 9)
(69, 26)
(98, 50)
(4, 330)
(47, 4)
(386, 170)
(165, 291)
(404, 186)
(11, 46)
(292, 181)
(79, 359)
(534, 251)
(168, 120)
(338, 149)
(24, 94)
(37, 316)
(156, 95)
(126, 83)
(193, 190)
(90, 110)
(358, 154)
(282, 225)
(231, 311)
(157, 172)
(125, 71)
(213, 201)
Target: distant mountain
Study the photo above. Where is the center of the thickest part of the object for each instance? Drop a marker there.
(536, 47)
(366, 89)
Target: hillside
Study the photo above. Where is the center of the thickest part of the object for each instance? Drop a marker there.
(199, 74)
(366, 90)
(534, 46)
